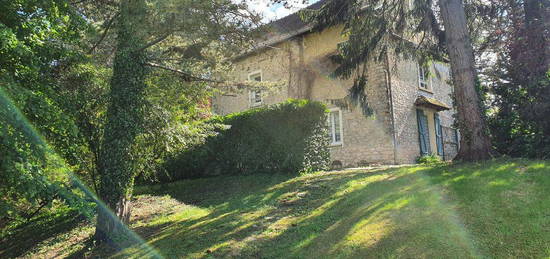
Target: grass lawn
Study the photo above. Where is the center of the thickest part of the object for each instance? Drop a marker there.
(498, 209)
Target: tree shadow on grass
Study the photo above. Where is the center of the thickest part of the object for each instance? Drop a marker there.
(36, 231)
(359, 213)
(403, 212)
(393, 213)
(340, 214)
(241, 209)
(205, 192)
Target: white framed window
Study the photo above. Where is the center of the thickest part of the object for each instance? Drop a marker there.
(255, 96)
(334, 122)
(423, 77)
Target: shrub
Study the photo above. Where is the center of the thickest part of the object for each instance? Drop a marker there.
(289, 137)
(429, 159)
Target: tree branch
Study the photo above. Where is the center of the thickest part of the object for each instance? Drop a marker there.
(185, 76)
(421, 41)
(155, 41)
(42, 205)
(192, 78)
(107, 27)
(96, 3)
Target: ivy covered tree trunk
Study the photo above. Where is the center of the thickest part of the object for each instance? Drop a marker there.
(474, 143)
(124, 122)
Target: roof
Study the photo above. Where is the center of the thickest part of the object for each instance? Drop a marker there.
(287, 27)
(284, 29)
(293, 22)
(431, 103)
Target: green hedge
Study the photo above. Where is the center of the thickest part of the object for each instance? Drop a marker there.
(289, 137)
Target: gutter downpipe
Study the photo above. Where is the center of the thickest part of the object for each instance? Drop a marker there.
(390, 95)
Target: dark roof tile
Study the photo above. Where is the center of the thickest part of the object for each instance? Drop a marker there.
(293, 22)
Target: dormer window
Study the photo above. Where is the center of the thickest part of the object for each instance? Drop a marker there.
(423, 77)
(255, 95)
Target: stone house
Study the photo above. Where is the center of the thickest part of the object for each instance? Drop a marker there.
(411, 103)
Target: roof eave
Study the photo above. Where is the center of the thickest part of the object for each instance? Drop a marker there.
(274, 41)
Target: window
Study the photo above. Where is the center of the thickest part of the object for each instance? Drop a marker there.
(334, 122)
(255, 96)
(423, 76)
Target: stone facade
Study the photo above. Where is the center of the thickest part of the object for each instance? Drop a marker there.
(389, 136)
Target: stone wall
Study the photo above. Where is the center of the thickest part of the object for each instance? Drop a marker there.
(273, 65)
(303, 64)
(405, 90)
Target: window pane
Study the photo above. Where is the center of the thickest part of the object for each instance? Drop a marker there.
(422, 76)
(330, 125)
(334, 127)
(337, 133)
(257, 96)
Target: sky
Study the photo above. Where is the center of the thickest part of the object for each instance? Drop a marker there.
(271, 11)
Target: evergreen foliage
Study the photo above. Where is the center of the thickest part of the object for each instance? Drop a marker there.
(374, 28)
(289, 137)
(517, 77)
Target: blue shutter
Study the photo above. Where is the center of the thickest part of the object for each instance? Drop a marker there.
(438, 135)
(423, 133)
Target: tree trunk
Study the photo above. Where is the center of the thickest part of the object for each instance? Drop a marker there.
(117, 163)
(474, 143)
(546, 30)
(111, 220)
(531, 62)
(537, 35)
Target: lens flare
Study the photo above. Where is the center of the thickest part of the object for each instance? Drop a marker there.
(17, 119)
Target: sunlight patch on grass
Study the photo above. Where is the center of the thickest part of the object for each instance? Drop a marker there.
(538, 166)
(178, 212)
(499, 182)
(456, 179)
(398, 204)
(364, 234)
